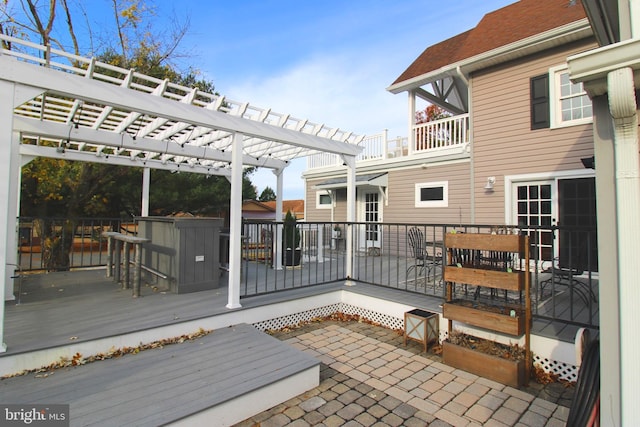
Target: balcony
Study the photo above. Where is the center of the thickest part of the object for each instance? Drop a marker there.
(431, 139)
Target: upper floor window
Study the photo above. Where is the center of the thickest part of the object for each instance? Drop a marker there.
(571, 104)
(432, 195)
(557, 102)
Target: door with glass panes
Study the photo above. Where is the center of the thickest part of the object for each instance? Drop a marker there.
(568, 203)
(369, 213)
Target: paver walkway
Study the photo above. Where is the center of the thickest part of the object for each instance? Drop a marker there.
(369, 378)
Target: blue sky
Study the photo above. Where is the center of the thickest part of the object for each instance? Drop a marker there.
(328, 61)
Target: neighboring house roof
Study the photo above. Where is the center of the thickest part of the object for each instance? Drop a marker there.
(512, 23)
(256, 206)
(295, 206)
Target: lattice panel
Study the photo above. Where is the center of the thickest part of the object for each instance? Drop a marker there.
(294, 319)
(563, 370)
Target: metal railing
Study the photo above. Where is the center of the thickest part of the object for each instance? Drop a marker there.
(563, 262)
(54, 244)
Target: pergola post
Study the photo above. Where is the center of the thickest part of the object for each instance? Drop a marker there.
(277, 237)
(351, 211)
(235, 223)
(146, 180)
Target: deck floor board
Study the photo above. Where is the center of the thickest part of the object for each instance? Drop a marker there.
(162, 385)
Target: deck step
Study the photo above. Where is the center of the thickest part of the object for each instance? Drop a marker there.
(219, 379)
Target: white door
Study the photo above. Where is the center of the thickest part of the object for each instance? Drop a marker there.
(369, 212)
(534, 203)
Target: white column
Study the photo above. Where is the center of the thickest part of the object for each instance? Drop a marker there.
(13, 210)
(6, 207)
(235, 223)
(351, 211)
(609, 319)
(411, 137)
(146, 179)
(623, 107)
(277, 238)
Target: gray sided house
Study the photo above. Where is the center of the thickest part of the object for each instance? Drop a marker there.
(514, 148)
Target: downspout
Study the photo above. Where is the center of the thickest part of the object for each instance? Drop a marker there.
(472, 170)
(623, 108)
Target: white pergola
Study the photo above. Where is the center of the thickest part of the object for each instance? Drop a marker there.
(59, 105)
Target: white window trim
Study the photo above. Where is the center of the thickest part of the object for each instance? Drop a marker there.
(554, 101)
(323, 205)
(432, 203)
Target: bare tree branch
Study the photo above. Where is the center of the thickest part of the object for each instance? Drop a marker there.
(74, 40)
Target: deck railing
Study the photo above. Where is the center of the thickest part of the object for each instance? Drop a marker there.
(564, 261)
(50, 244)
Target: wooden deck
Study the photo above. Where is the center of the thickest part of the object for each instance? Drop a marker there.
(63, 313)
(201, 378)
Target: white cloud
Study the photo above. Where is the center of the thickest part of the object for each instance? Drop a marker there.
(336, 91)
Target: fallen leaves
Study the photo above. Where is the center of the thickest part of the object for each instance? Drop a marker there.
(77, 359)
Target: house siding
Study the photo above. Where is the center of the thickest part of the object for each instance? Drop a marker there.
(311, 213)
(503, 142)
(401, 207)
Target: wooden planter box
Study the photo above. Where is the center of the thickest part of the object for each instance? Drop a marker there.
(501, 370)
(489, 278)
(485, 318)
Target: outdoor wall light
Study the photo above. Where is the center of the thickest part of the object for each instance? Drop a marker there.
(490, 182)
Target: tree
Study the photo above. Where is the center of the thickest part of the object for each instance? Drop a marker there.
(431, 114)
(267, 195)
(74, 189)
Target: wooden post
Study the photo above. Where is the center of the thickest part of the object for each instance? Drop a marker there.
(116, 260)
(137, 266)
(125, 264)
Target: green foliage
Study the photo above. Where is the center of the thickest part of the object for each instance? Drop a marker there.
(291, 233)
(267, 195)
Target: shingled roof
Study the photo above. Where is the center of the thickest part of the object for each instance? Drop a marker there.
(509, 24)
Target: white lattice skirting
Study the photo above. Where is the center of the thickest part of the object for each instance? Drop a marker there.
(564, 371)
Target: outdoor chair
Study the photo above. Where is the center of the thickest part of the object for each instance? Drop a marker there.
(567, 276)
(421, 259)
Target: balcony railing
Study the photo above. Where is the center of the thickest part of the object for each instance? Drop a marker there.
(375, 147)
(441, 134)
(431, 137)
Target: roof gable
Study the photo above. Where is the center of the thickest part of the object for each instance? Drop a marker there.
(509, 24)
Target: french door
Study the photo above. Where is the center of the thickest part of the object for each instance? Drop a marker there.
(370, 235)
(569, 203)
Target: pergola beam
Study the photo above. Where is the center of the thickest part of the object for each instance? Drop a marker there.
(73, 86)
(124, 141)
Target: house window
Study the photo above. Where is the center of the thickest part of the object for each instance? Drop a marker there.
(323, 200)
(432, 195)
(571, 104)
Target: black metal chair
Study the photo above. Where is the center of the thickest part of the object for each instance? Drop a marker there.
(421, 259)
